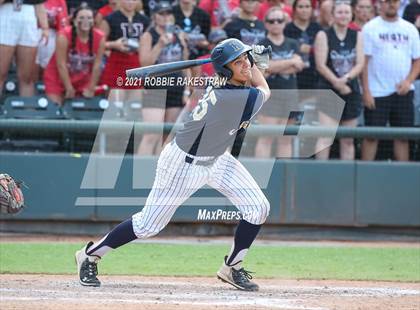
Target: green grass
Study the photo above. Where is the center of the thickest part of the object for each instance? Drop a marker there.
(347, 263)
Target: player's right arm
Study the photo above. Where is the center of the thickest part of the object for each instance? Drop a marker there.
(258, 81)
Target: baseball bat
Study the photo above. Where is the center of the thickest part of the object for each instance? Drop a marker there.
(170, 67)
(165, 68)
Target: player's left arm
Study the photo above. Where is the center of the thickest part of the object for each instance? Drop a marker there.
(261, 60)
(258, 81)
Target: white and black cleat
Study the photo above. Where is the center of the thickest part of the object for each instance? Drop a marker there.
(87, 268)
(241, 279)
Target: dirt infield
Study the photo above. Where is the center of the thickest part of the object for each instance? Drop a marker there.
(156, 293)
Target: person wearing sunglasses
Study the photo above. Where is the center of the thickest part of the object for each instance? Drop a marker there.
(303, 29)
(246, 27)
(163, 42)
(281, 75)
(339, 61)
(392, 53)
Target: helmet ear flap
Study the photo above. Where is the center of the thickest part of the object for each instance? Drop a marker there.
(251, 59)
(227, 73)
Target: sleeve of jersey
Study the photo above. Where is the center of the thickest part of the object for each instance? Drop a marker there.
(253, 104)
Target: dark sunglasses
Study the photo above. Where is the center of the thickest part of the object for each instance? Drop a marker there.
(275, 20)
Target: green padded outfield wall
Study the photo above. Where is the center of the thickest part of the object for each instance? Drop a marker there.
(336, 193)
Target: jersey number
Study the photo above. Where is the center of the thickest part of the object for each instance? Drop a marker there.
(201, 109)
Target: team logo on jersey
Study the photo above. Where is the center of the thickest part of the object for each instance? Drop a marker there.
(244, 125)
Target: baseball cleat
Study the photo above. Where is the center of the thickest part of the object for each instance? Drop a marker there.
(87, 268)
(238, 278)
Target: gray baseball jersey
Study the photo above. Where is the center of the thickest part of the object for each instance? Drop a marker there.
(198, 157)
(220, 115)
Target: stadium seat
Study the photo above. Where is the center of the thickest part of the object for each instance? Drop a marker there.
(37, 107)
(96, 108)
(90, 109)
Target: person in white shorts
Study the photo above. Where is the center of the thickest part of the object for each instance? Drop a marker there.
(19, 37)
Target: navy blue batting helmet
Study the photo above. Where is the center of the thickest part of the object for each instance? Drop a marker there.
(227, 51)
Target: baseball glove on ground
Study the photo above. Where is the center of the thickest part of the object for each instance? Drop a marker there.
(11, 197)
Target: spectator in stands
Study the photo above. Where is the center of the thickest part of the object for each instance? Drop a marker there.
(160, 45)
(220, 11)
(58, 19)
(19, 37)
(105, 11)
(150, 5)
(266, 4)
(412, 14)
(215, 36)
(123, 29)
(325, 18)
(303, 29)
(74, 69)
(195, 23)
(363, 12)
(284, 64)
(339, 61)
(246, 27)
(392, 52)
(403, 5)
(72, 5)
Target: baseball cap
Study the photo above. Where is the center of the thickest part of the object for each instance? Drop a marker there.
(161, 6)
(217, 35)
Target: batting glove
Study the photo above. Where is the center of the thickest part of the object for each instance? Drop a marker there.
(261, 56)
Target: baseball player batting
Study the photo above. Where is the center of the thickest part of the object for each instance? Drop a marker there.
(198, 155)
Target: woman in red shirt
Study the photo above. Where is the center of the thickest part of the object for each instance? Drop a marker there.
(74, 69)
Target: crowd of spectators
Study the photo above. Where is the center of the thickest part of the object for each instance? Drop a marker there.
(81, 48)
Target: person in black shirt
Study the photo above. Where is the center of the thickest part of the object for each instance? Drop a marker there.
(283, 66)
(339, 60)
(123, 29)
(196, 24)
(160, 44)
(246, 27)
(412, 13)
(304, 30)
